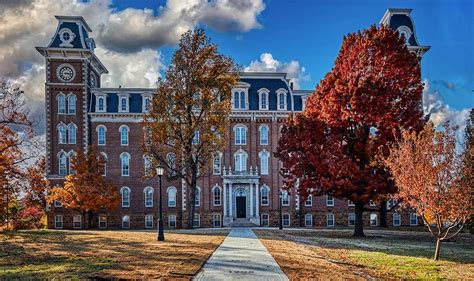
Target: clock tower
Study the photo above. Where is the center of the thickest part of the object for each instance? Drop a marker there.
(72, 69)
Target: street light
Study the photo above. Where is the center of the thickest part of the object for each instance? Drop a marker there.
(161, 236)
(279, 207)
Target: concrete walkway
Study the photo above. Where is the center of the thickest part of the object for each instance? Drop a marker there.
(241, 257)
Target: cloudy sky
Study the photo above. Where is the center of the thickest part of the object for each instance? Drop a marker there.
(136, 38)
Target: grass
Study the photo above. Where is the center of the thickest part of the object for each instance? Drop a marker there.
(85, 254)
(386, 254)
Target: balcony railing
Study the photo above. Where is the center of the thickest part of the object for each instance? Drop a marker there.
(250, 172)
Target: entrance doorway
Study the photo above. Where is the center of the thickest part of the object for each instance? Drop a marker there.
(241, 206)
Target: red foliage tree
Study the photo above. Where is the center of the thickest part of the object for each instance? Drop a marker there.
(38, 185)
(431, 177)
(371, 94)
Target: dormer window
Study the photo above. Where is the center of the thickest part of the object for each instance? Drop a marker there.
(263, 98)
(66, 36)
(101, 103)
(146, 102)
(123, 103)
(239, 100)
(281, 99)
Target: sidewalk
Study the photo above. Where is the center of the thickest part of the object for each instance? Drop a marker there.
(241, 257)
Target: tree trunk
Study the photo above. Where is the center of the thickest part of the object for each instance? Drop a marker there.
(84, 219)
(437, 249)
(90, 217)
(359, 224)
(383, 214)
(192, 202)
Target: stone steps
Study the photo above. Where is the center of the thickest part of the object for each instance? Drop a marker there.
(242, 223)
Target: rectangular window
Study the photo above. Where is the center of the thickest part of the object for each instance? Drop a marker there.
(264, 163)
(372, 203)
(413, 219)
(309, 201)
(285, 199)
(172, 221)
(77, 221)
(265, 220)
(350, 203)
(308, 220)
(329, 201)
(286, 219)
(197, 220)
(374, 221)
(217, 164)
(217, 196)
(216, 220)
(101, 136)
(149, 221)
(236, 100)
(330, 219)
(264, 196)
(102, 221)
(351, 219)
(241, 135)
(58, 221)
(125, 222)
(396, 219)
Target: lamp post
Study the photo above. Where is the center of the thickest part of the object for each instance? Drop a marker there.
(279, 208)
(161, 235)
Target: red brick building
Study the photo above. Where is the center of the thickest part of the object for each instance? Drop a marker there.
(245, 183)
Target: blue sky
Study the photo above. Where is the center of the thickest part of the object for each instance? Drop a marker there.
(311, 32)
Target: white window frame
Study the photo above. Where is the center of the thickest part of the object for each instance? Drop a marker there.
(198, 220)
(260, 134)
(97, 129)
(71, 137)
(63, 171)
(61, 99)
(245, 95)
(288, 220)
(197, 199)
(127, 102)
(60, 221)
(310, 215)
(101, 220)
(146, 192)
(372, 203)
(310, 200)
(240, 161)
(169, 192)
(264, 161)
(214, 189)
(267, 189)
(124, 142)
(74, 221)
(71, 110)
(413, 215)
(125, 203)
(123, 221)
(124, 172)
(99, 96)
(282, 92)
(147, 220)
(62, 135)
(216, 169)
(171, 220)
(284, 194)
(329, 201)
(399, 219)
(145, 97)
(263, 95)
(216, 218)
(105, 164)
(330, 215)
(349, 219)
(240, 134)
(373, 215)
(267, 219)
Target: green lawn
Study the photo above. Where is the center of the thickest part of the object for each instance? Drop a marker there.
(382, 254)
(106, 254)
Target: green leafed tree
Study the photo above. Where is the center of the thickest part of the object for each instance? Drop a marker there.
(187, 122)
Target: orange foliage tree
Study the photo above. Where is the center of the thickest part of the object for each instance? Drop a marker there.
(371, 94)
(187, 122)
(86, 190)
(428, 171)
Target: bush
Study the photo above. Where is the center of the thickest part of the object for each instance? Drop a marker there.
(29, 218)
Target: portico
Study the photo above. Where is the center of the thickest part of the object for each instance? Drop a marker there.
(241, 193)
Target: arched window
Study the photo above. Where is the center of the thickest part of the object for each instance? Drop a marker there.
(101, 104)
(61, 104)
(123, 104)
(263, 135)
(101, 134)
(63, 159)
(124, 135)
(71, 128)
(125, 192)
(147, 104)
(71, 104)
(240, 132)
(198, 197)
(217, 163)
(264, 155)
(281, 97)
(71, 155)
(125, 164)
(240, 158)
(126, 222)
(103, 163)
(264, 101)
(147, 165)
(264, 195)
(61, 133)
(216, 194)
(148, 192)
(171, 158)
(171, 196)
(285, 198)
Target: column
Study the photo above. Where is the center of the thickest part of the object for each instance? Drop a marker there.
(257, 200)
(224, 187)
(251, 200)
(230, 200)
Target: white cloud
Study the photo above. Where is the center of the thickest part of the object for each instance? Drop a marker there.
(266, 63)
(439, 111)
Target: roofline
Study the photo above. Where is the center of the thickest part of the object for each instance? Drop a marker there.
(406, 11)
(74, 18)
(261, 73)
(95, 90)
(43, 50)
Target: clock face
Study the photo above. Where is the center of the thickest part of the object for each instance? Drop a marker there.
(66, 73)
